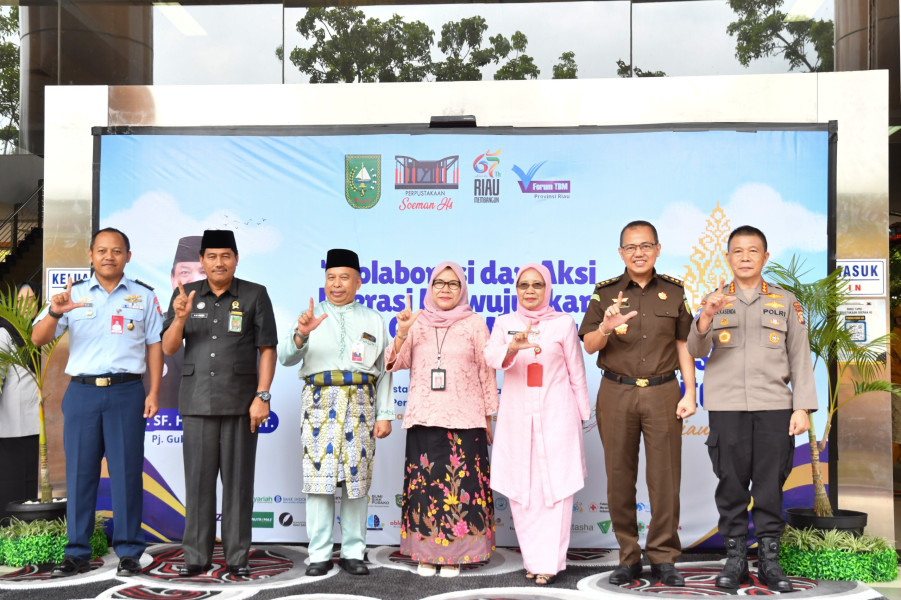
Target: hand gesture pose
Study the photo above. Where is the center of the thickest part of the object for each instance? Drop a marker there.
(713, 304)
(613, 318)
(521, 341)
(307, 322)
(183, 303)
(62, 302)
(716, 301)
(406, 318)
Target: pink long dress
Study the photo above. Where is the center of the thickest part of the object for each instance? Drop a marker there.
(538, 457)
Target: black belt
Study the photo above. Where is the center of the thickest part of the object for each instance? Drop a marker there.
(639, 382)
(107, 380)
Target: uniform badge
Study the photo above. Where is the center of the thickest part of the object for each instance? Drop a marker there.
(774, 304)
(201, 305)
(236, 305)
(595, 297)
(775, 322)
(774, 338)
(724, 321)
(622, 329)
(725, 337)
(662, 295)
(625, 300)
(774, 295)
(800, 311)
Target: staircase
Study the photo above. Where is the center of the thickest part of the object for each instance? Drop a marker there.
(22, 243)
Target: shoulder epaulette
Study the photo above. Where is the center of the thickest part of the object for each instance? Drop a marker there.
(607, 282)
(139, 282)
(670, 279)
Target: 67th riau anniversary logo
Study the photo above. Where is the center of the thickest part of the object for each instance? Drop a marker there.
(362, 179)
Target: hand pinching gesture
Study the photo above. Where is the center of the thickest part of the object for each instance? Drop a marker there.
(521, 341)
(613, 318)
(62, 302)
(406, 318)
(307, 322)
(183, 303)
(716, 301)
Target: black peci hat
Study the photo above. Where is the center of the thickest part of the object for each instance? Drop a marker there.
(338, 257)
(218, 238)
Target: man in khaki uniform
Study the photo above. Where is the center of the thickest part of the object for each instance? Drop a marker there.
(638, 323)
(756, 339)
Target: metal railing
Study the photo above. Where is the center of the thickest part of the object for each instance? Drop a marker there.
(25, 218)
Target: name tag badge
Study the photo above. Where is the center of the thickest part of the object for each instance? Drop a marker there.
(198, 315)
(534, 374)
(234, 323)
(439, 380)
(356, 352)
(117, 324)
(368, 337)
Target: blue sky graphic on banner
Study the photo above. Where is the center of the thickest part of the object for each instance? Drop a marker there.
(489, 202)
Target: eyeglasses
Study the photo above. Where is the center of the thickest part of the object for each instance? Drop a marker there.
(538, 286)
(645, 247)
(439, 284)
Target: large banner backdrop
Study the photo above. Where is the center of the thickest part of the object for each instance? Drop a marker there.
(491, 201)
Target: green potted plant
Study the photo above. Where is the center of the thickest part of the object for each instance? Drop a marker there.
(816, 530)
(43, 541)
(27, 360)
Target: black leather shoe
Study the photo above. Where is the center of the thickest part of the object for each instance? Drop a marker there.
(71, 566)
(238, 571)
(354, 566)
(624, 574)
(192, 570)
(667, 574)
(128, 566)
(318, 569)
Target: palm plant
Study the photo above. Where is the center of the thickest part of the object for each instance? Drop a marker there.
(860, 364)
(25, 360)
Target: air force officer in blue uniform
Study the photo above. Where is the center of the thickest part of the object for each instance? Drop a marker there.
(114, 326)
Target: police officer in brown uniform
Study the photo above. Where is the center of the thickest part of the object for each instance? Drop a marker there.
(756, 339)
(638, 323)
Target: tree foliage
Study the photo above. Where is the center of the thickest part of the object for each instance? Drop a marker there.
(521, 66)
(461, 43)
(9, 79)
(624, 70)
(567, 67)
(761, 31)
(350, 48)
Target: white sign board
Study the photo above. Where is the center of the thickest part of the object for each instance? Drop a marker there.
(864, 319)
(58, 278)
(866, 277)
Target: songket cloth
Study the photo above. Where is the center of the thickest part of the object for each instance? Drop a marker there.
(336, 432)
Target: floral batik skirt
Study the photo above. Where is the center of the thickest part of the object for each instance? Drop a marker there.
(447, 513)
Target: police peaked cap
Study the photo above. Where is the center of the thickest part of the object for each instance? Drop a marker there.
(338, 257)
(218, 238)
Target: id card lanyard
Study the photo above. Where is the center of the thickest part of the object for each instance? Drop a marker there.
(535, 371)
(439, 375)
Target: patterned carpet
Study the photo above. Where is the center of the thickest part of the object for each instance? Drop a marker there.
(278, 572)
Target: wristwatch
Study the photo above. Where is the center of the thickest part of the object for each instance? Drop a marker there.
(264, 396)
(303, 338)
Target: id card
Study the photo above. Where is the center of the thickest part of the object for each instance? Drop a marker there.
(117, 324)
(534, 374)
(234, 323)
(356, 352)
(439, 380)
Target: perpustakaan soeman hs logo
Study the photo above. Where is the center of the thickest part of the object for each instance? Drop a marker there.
(362, 179)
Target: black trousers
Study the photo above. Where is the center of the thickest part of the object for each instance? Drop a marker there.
(19, 474)
(217, 446)
(752, 454)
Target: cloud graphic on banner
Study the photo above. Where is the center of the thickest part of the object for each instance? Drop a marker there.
(155, 223)
(789, 226)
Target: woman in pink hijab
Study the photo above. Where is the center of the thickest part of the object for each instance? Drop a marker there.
(538, 460)
(447, 512)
